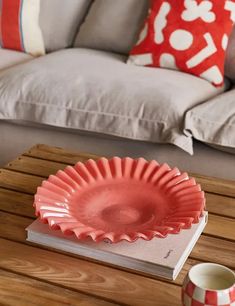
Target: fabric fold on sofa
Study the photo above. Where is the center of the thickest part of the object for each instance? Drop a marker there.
(97, 91)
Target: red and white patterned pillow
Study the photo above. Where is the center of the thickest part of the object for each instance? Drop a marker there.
(187, 35)
(19, 26)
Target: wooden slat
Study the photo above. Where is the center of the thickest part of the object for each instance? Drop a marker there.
(87, 277)
(58, 154)
(13, 227)
(24, 291)
(221, 205)
(221, 227)
(206, 249)
(216, 185)
(213, 185)
(210, 249)
(19, 182)
(35, 166)
(16, 202)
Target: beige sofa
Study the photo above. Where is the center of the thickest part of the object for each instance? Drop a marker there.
(82, 95)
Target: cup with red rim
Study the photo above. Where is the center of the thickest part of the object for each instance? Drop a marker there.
(209, 284)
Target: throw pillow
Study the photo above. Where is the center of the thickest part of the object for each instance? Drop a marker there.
(20, 26)
(189, 35)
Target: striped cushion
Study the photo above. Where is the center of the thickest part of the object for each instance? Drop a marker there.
(19, 26)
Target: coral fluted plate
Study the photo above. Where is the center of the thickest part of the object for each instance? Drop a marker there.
(119, 199)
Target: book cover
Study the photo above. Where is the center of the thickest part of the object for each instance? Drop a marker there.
(162, 257)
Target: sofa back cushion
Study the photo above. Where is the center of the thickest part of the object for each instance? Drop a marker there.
(112, 25)
(60, 20)
(230, 57)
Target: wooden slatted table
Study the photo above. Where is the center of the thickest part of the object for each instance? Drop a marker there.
(33, 275)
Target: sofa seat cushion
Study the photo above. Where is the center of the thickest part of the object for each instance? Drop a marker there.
(97, 91)
(10, 58)
(213, 122)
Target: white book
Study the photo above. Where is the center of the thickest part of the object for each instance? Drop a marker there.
(163, 257)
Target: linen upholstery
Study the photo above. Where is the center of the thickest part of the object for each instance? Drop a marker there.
(9, 58)
(97, 91)
(60, 20)
(230, 57)
(213, 122)
(112, 25)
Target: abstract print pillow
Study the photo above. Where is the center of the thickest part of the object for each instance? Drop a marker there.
(19, 26)
(190, 36)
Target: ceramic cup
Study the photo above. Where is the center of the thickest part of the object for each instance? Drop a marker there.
(209, 284)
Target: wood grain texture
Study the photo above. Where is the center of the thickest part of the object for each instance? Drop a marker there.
(19, 182)
(58, 154)
(216, 185)
(35, 166)
(87, 277)
(18, 290)
(221, 205)
(210, 249)
(221, 227)
(16, 202)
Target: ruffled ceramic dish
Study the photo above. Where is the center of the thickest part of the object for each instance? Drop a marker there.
(119, 199)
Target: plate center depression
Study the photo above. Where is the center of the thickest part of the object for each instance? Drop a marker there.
(121, 214)
(119, 206)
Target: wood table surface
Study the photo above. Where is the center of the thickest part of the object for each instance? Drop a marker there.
(35, 275)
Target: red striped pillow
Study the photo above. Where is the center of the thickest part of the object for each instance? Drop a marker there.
(19, 26)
